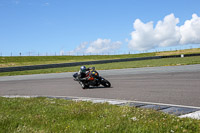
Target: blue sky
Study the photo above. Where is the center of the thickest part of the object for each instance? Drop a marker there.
(97, 26)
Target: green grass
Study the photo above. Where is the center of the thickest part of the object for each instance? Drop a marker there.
(58, 115)
(38, 60)
(119, 65)
(179, 52)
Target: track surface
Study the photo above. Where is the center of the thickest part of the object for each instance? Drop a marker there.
(171, 85)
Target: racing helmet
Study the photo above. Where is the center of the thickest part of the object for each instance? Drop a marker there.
(83, 69)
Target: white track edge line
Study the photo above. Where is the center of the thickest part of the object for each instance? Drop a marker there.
(89, 99)
(194, 115)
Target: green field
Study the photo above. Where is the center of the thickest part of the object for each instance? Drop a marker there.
(44, 115)
(38, 60)
(34, 60)
(118, 65)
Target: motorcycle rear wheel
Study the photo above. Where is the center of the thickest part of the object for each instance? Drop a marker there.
(106, 83)
(83, 85)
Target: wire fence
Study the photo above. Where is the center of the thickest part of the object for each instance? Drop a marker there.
(84, 54)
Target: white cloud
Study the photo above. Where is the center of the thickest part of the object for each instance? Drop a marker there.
(96, 47)
(80, 49)
(103, 45)
(143, 36)
(165, 33)
(190, 31)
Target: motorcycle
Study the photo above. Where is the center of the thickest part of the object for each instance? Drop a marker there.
(92, 79)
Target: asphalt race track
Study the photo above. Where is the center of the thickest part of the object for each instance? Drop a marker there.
(178, 85)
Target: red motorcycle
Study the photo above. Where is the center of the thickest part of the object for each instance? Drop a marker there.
(93, 79)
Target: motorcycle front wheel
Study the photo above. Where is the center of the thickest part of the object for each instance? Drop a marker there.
(106, 83)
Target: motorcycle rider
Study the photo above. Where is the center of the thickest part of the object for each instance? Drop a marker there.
(83, 73)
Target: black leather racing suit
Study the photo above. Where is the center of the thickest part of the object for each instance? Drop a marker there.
(82, 75)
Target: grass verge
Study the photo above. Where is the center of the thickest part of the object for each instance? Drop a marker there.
(119, 65)
(58, 115)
